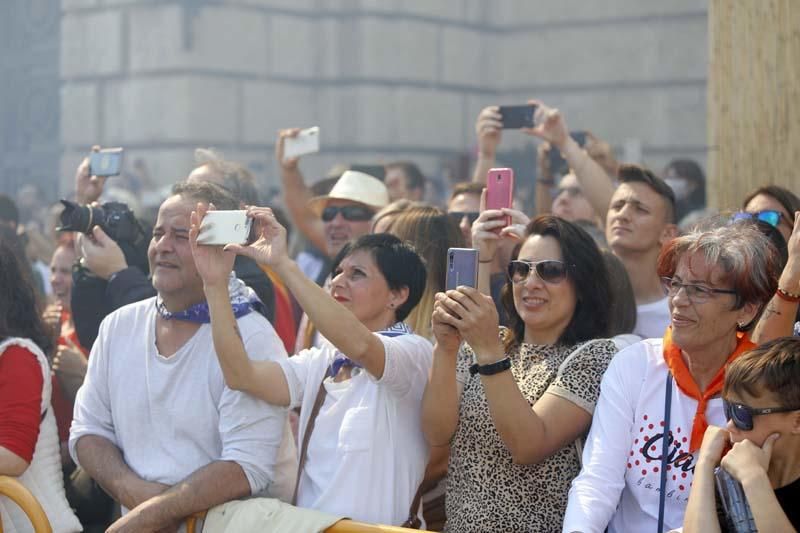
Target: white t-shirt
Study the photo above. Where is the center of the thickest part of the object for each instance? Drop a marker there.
(367, 454)
(652, 319)
(618, 485)
(171, 416)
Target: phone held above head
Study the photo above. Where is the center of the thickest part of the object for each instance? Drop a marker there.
(500, 190)
(306, 142)
(106, 162)
(517, 116)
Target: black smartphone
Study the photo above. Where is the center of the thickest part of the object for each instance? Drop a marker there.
(558, 165)
(107, 162)
(462, 268)
(517, 116)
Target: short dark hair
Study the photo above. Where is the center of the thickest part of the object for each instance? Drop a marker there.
(20, 309)
(467, 187)
(789, 200)
(206, 192)
(774, 366)
(587, 271)
(415, 179)
(8, 210)
(398, 262)
(630, 173)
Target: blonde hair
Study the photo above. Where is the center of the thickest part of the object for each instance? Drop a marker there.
(431, 232)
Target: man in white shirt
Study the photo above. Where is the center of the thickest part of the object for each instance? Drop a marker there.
(154, 422)
(640, 220)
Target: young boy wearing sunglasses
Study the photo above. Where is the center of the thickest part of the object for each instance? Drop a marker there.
(761, 398)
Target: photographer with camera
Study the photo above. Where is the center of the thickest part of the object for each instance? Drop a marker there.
(761, 397)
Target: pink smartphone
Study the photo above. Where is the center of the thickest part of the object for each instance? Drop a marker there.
(500, 189)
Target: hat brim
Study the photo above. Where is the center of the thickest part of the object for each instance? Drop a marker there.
(318, 203)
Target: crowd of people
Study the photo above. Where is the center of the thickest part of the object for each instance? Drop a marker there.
(621, 346)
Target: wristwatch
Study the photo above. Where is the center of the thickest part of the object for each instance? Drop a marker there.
(491, 369)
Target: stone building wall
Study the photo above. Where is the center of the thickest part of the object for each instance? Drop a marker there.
(384, 79)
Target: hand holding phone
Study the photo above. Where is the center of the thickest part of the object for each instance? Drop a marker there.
(517, 116)
(106, 162)
(500, 190)
(306, 142)
(224, 227)
(462, 268)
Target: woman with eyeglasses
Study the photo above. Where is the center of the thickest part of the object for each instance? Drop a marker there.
(761, 398)
(514, 403)
(659, 396)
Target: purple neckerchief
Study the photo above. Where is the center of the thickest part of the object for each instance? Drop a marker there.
(340, 360)
(243, 301)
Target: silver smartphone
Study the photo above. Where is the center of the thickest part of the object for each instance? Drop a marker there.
(225, 227)
(306, 142)
(462, 268)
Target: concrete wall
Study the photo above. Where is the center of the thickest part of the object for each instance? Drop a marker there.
(383, 79)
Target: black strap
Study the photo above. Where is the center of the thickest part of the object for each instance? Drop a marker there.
(664, 452)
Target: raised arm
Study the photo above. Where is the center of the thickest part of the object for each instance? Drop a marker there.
(780, 314)
(297, 194)
(597, 185)
(488, 127)
(263, 379)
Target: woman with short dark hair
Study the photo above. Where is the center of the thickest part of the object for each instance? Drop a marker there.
(362, 452)
(513, 405)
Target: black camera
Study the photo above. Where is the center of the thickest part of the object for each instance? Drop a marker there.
(115, 219)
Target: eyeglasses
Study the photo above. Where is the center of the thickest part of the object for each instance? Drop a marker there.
(353, 213)
(458, 216)
(572, 192)
(695, 293)
(770, 216)
(549, 270)
(742, 415)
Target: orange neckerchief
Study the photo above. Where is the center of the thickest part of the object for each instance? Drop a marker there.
(685, 381)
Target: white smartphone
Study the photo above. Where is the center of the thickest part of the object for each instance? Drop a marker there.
(224, 227)
(306, 142)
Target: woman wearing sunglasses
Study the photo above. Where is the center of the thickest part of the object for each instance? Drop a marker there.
(659, 396)
(761, 399)
(772, 204)
(512, 405)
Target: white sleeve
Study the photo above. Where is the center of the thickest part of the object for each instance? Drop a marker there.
(92, 412)
(251, 429)
(595, 493)
(408, 360)
(296, 369)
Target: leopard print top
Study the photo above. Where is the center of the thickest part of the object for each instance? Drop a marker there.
(486, 491)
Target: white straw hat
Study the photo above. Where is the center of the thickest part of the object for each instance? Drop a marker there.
(355, 187)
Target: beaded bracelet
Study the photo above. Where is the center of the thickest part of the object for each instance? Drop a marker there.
(787, 296)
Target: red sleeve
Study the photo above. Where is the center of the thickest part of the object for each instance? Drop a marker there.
(20, 401)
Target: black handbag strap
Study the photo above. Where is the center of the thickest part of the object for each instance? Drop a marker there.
(664, 452)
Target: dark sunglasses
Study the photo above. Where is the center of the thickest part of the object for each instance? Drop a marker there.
(458, 216)
(353, 213)
(549, 270)
(742, 415)
(770, 216)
